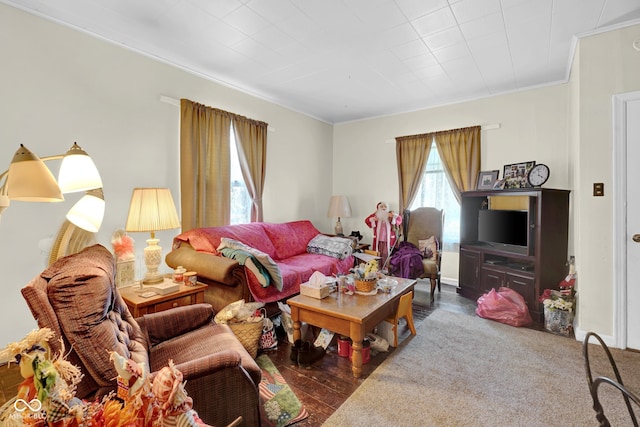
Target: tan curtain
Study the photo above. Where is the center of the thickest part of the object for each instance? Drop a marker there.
(251, 136)
(412, 153)
(204, 165)
(459, 150)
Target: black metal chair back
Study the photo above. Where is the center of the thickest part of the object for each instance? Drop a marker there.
(594, 384)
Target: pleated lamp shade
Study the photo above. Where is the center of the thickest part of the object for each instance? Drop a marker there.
(152, 209)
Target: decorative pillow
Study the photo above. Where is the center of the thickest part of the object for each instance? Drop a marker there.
(336, 247)
(428, 247)
(290, 238)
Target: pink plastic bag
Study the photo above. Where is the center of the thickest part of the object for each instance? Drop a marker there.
(505, 306)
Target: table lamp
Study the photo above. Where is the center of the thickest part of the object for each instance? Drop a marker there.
(152, 209)
(339, 207)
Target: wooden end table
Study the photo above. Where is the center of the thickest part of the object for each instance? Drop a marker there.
(349, 315)
(186, 295)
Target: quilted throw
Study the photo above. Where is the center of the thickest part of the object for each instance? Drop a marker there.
(337, 247)
(263, 266)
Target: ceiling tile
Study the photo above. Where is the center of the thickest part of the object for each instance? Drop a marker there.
(409, 50)
(275, 11)
(434, 22)
(414, 9)
(470, 10)
(444, 38)
(483, 26)
(246, 20)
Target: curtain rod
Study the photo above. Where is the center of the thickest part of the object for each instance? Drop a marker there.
(176, 102)
(483, 127)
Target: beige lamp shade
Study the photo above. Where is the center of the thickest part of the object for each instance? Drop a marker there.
(88, 212)
(29, 179)
(339, 207)
(78, 172)
(152, 209)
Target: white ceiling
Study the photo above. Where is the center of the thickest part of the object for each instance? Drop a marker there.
(343, 60)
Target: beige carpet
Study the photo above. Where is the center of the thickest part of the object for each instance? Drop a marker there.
(463, 370)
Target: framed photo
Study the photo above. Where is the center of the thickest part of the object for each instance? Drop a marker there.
(515, 175)
(486, 179)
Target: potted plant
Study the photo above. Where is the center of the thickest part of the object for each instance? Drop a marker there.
(559, 306)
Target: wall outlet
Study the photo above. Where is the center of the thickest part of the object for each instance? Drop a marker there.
(598, 189)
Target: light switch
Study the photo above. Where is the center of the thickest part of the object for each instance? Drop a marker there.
(598, 189)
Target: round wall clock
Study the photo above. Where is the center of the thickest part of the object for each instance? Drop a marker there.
(538, 175)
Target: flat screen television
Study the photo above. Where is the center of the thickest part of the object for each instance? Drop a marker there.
(503, 227)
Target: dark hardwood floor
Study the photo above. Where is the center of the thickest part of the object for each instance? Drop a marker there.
(324, 386)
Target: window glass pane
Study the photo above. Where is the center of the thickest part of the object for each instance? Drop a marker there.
(435, 191)
(240, 200)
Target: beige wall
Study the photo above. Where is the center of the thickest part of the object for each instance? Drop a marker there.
(59, 85)
(606, 64)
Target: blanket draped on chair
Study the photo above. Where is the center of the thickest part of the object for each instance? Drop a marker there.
(406, 261)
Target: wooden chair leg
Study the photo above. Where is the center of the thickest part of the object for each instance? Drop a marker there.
(395, 334)
(410, 324)
(433, 288)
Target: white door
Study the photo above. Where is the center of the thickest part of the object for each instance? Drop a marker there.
(632, 137)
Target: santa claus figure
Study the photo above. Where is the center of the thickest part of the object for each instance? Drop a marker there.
(385, 226)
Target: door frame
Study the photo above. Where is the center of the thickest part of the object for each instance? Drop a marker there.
(619, 121)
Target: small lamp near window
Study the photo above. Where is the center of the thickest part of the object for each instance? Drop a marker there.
(339, 207)
(152, 209)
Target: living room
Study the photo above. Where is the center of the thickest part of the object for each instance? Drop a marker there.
(106, 98)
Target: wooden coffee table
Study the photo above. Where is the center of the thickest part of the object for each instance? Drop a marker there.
(349, 315)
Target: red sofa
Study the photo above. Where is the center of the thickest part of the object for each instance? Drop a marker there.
(286, 244)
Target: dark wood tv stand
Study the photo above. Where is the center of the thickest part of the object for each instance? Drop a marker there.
(528, 270)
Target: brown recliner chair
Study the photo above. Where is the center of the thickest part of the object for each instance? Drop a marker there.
(76, 297)
(420, 225)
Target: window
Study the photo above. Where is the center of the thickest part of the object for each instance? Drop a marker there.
(435, 191)
(240, 199)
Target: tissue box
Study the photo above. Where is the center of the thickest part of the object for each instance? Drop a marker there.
(318, 292)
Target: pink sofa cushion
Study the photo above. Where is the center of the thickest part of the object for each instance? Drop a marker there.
(102, 322)
(290, 238)
(207, 239)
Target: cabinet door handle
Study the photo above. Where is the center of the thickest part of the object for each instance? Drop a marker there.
(175, 304)
(636, 238)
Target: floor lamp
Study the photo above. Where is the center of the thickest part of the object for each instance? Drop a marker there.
(28, 179)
